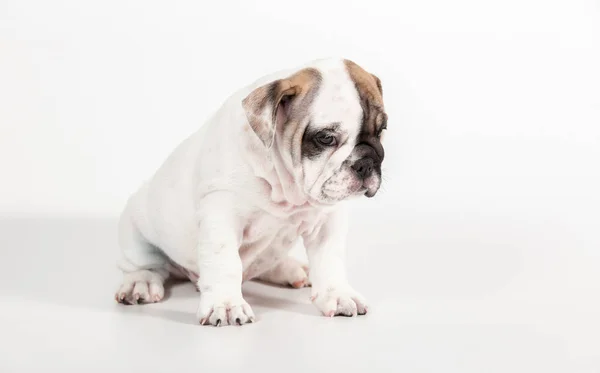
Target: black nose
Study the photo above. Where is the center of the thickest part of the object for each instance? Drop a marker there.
(363, 167)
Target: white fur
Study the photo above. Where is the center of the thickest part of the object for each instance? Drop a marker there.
(224, 208)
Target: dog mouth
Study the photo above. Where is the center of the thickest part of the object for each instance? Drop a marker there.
(353, 188)
(367, 192)
(364, 190)
(369, 187)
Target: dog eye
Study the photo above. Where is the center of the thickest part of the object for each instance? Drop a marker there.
(326, 139)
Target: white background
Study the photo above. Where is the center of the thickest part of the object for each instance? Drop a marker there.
(482, 252)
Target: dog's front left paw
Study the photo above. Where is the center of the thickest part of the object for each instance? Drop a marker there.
(339, 302)
(224, 310)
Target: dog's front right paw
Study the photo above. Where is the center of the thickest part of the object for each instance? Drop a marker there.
(224, 310)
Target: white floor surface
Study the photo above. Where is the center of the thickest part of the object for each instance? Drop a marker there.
(492, 294)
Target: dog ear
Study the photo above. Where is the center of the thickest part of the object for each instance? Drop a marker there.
(268, 107)
(378, 82)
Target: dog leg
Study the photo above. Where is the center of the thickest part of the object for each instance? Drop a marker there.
(326, 250)
(219, 263)
(144, 266)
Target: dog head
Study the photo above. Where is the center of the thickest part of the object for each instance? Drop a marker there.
(325, 124)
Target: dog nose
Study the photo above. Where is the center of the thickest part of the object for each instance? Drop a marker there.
(363, 167)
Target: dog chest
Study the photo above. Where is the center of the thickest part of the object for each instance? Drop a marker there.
(261, 226)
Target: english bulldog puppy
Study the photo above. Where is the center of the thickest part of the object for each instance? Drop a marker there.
(278, 161)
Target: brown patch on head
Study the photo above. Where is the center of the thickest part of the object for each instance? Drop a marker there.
(276, 106)
(370, 93)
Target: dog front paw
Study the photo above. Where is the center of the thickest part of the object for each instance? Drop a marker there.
(224, 310)
(343, 301)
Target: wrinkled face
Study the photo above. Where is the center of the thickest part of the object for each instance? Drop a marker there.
(327, 128)
(341, 145)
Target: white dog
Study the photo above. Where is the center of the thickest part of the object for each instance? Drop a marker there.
(276, 162)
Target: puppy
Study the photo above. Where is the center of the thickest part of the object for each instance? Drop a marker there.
(277, 162)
